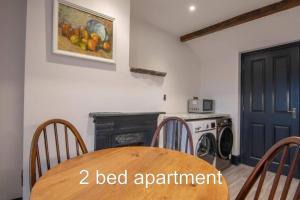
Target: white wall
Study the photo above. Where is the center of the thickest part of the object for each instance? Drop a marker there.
(155, 49)
(219, 55)
(12, 56)
(70, 88)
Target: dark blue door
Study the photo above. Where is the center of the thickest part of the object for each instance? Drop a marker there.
(270, 100)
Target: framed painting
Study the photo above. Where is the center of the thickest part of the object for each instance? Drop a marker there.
(83, 33)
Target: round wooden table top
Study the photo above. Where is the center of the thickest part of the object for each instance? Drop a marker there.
(63, 181)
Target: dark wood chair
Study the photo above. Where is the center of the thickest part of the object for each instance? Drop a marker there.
(173, 136)
(282, 147)
(35, 156)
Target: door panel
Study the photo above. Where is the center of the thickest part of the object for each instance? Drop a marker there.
(258, 134)
(270, 92)
(281, 83)
(281, 132)
(258, 86)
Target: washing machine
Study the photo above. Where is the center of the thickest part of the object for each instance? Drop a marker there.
(204, 134)
(224, 143)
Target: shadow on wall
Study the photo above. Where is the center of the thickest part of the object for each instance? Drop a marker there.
(149, 79)
(91, 135)
(67, 60)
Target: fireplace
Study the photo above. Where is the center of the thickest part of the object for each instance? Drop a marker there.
(124, 129)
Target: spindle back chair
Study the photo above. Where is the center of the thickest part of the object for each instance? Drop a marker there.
(35, 157)
(284, 146)
(176, 137)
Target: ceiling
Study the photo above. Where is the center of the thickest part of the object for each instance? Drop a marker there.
(174, 16)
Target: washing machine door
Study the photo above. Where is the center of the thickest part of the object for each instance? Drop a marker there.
(225, 143)
(206, 147)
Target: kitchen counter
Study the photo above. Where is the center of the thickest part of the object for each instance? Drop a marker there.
(194, 116)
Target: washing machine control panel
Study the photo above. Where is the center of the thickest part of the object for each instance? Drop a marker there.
(224, 122)
(213, 125)
(205, 125)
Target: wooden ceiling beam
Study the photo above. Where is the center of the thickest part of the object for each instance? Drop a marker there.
(246, 17)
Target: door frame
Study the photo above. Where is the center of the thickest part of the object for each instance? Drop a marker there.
(241, 91)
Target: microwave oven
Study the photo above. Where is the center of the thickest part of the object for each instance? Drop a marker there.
(201, 106)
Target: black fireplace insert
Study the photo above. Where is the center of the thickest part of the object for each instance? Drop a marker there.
(124, 129)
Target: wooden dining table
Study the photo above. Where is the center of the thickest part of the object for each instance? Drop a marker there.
(63, 181)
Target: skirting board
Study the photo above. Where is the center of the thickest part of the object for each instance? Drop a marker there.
(236, 160)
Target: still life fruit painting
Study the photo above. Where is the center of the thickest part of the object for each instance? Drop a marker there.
(82, 33)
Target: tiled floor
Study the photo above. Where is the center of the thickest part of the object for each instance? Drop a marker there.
(237, 175)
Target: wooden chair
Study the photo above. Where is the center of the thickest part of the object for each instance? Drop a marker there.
(175, 139)
(35, 157)
(261, 168)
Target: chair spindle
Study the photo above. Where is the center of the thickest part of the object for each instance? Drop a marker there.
(290, 175)
(38, 160)
(279, 172)
(46, 148)
(57, 143)
(67, 142)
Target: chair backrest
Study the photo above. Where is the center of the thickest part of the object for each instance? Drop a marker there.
(283, 147)
(35, 156)
(173, 135)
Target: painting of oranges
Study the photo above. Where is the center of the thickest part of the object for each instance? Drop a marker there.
(84, 33)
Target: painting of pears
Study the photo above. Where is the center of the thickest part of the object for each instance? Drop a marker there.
(84, 33)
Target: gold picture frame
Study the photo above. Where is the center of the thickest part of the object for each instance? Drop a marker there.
(83, 33)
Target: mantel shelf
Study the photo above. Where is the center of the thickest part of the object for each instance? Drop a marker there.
(147, 71)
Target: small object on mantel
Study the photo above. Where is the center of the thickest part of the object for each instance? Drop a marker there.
(147, 71)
